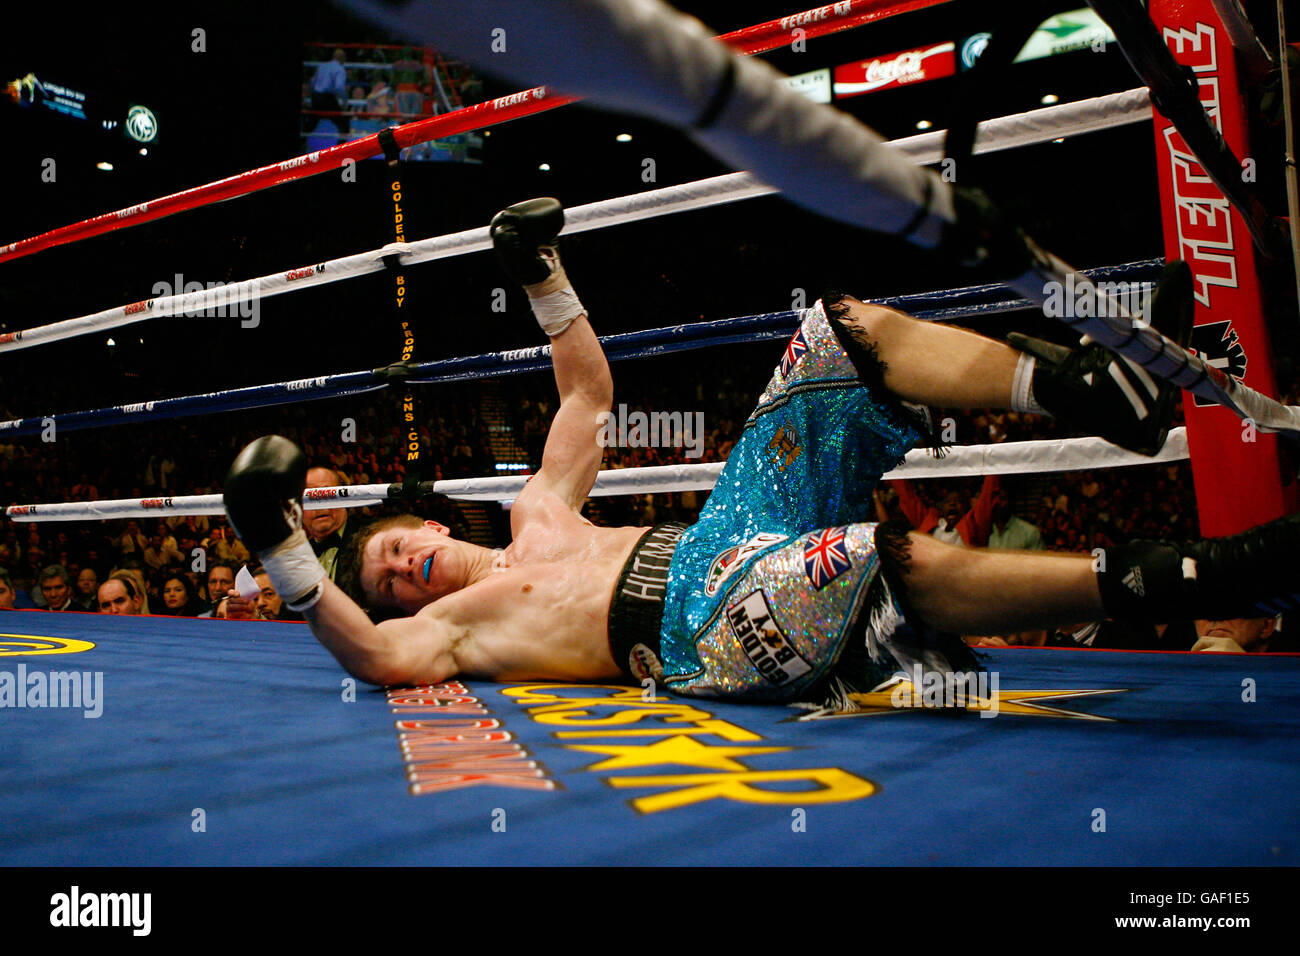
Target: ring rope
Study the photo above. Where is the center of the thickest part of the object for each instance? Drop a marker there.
(760, 38)
(1007, 132)
(945, 304)
(1146, 346)
(1027, 457)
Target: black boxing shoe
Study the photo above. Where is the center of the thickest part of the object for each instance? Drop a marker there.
(1252, 574)
(1093, 388)
(524, 238)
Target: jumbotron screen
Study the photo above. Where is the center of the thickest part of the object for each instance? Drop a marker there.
(350, 90)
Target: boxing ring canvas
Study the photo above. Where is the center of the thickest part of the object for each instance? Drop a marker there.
(240, 743)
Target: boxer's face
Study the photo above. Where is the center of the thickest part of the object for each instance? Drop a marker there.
(408, 568)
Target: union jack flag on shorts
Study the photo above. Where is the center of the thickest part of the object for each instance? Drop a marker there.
(825, 557)
(793, 353)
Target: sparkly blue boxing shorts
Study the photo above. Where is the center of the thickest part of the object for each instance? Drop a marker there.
(759, 596)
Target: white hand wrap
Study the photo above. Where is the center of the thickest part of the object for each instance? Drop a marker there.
(556, 310)
(1022, 387)
(295, 572)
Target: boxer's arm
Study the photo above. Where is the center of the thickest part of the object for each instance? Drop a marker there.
(524, 238)
(411, 650)
(573, 451)
(262, 495)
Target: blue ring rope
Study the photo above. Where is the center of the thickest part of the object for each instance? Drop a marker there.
(945, 304)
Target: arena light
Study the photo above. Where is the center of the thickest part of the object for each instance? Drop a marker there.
(545, 167)
(105, 166)
(923, 124)
(624, 137)
(1050, 98)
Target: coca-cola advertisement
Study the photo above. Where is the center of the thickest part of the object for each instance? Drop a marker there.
(896, 69)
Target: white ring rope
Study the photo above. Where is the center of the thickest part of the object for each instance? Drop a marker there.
(1010, 458)
(1007, 132)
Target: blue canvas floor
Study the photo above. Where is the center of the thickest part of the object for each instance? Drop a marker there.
(241, 743)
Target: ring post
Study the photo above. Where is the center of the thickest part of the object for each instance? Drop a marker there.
(1236, 470)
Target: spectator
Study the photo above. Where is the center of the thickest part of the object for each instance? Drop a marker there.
(327, 528)
(1128, 635)
(10, 550)
(1238, 636)
(186, 544)
(159, 555)
(221, 581)
(83, 490)
(87, 589)
(55, 589)
(179, 597)
(380, 98)
(120, 594)
(410, 76)
(169, 539)
(227, 547)
(7, 592)
(266, 605)
(131, 543)
(952, 521)
(135, 572)
(269, 603)
(1010, 531)
(1090, 487)
(329, 90)
(198, 525)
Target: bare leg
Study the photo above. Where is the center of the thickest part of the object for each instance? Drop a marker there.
(933, 364)
(978, 591)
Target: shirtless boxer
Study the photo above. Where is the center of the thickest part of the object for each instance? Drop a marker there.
(780, 584)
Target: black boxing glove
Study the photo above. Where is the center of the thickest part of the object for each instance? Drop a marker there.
(524, 237)
(263, 498)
